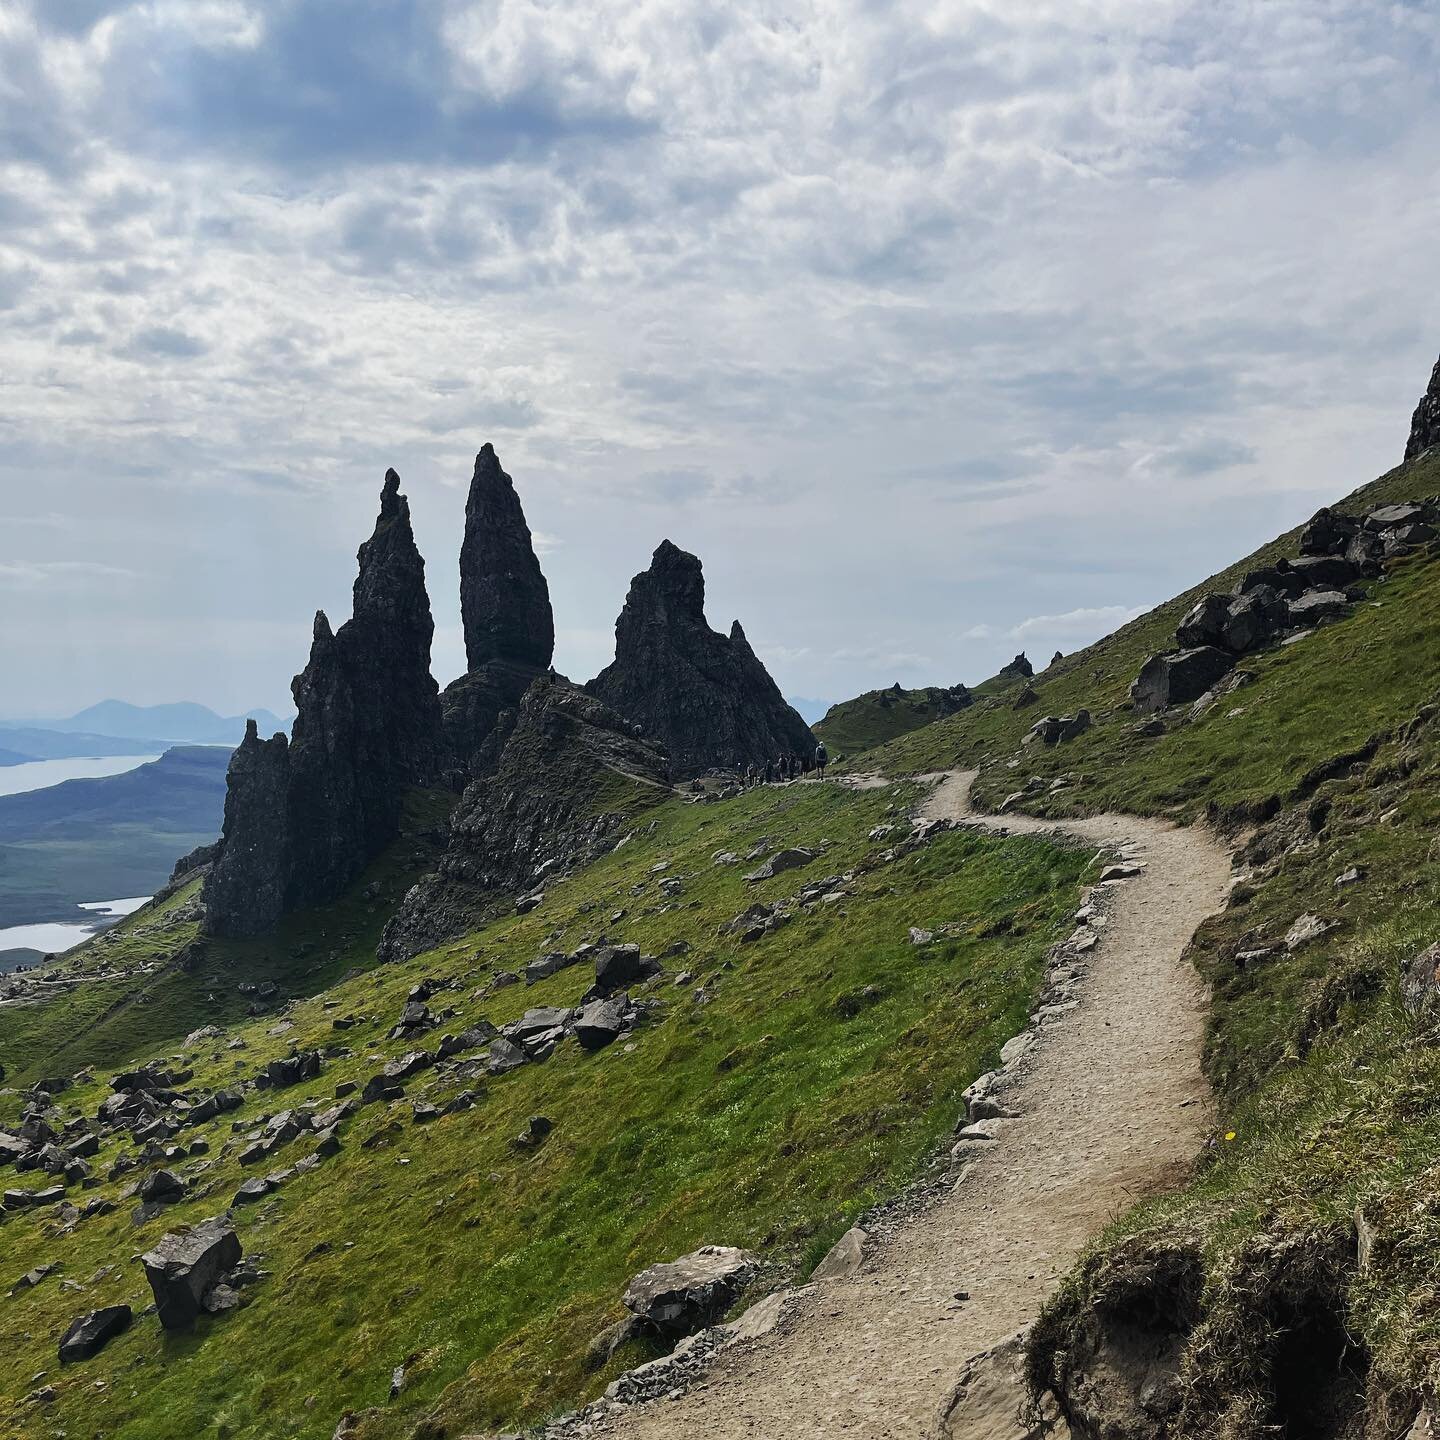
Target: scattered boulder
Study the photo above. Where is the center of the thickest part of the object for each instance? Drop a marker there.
(184, 1264)
(1056, 729)
(602, 1022)
(678, 1298)
(1174, 679)
(535, 1131)
(617, 967)
(1420, 981)
(1317, 605)
(90, 1333)
(791, 858)
(293, 1069)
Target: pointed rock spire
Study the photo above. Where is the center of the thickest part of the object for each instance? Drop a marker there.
(1425, 422)
(706, 697)
(504, 600)
(303, 819)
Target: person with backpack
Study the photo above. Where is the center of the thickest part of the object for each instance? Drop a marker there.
(822, 758)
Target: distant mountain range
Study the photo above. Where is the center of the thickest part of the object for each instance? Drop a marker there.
(147, 727)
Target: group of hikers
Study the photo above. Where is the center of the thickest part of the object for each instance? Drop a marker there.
(788, 767)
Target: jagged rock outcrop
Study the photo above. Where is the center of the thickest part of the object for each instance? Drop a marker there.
(245, 890)
(704, 696)
(563, 786)
(1425, 422)
(509, 624)
(303, 818)
(1019, 668)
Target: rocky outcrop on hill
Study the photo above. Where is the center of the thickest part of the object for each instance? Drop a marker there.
(1425, 422)
(505, 606)
(563, 786)
(704, 696)
(304, 817)
(1337, 553)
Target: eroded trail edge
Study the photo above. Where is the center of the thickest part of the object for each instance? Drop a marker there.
(1111, 1106)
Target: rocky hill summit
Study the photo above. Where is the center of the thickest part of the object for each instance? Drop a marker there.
(303, 817)
(704, 696)
(571, 773)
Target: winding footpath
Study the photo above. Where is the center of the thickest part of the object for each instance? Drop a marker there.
(1112, 1107)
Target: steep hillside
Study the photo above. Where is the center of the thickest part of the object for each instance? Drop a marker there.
(774, 1081)
(1289, 1289)
(880, 715)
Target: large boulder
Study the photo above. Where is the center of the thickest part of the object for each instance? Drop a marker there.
(1317, 605)
(1184, 675)
(1325, 572)
(185, 1264)
(685, 1295)
(602, 1022)
(1204, 622)
(304, 817)
(704, 696)
(1328, 533)
(620, 966)
(1254, 619)
(91, 1332)
(793, 857)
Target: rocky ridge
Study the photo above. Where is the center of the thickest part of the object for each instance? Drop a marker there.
(550, 804)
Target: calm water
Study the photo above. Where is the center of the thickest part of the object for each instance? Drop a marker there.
(37, 774)
(53, 939)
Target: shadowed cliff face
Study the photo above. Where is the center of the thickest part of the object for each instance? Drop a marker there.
(509, 625)
(705, 697)
(302, 820)
(504, 600)
(1425, 422)
(570, 772)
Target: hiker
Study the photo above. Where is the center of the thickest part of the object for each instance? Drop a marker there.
(822, 758)
(769, 772)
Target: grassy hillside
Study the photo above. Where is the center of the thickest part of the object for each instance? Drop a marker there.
(765, 1103)
(880, 715)
(1329, 762)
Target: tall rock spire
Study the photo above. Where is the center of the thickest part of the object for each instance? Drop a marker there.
(1425, 422)
(509, 626)
(704, 696)
(303, 819)
(504, 600)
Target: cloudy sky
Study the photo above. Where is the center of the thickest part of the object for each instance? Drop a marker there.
(935, 329)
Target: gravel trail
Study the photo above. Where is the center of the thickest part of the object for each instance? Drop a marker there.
(1111, 1107)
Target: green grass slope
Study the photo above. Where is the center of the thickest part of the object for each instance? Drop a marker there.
(871, 719)
(765, 1104)
(1329, 761)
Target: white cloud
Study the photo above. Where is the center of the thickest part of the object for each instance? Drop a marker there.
(914, 321)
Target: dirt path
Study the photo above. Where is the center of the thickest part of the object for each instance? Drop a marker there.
(1112, 1106)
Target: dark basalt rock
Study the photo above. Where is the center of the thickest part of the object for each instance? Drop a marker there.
(509, 625)
(91, 1332)
(1019, 668)
(303, 818)
(1173, 679)
(705, 697)
(504, 600)
(1425, 422)
(184, 1264)
(546, 805)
